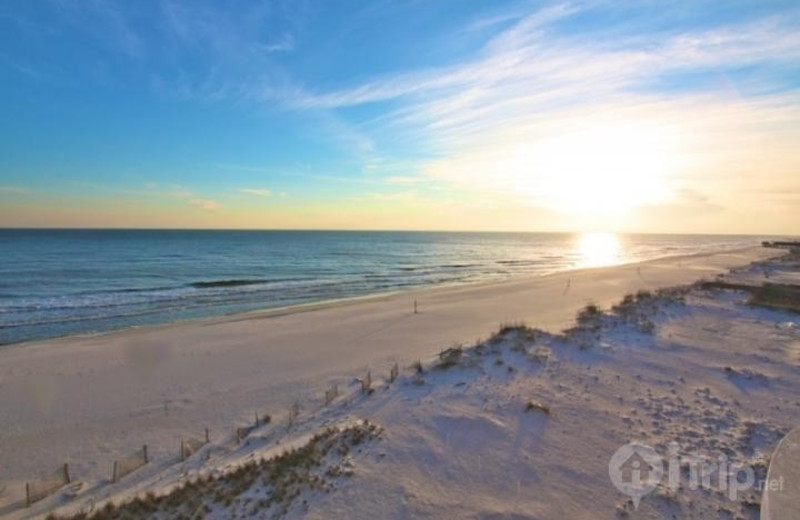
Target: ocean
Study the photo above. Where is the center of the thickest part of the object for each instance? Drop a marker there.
(63, 282)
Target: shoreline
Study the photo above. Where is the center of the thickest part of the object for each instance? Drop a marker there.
(90, 399)
(272, 312)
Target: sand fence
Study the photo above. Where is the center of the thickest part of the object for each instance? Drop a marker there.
(41, 487)
(44, 486)
(129, 464)
(331, 394)
(191, 446)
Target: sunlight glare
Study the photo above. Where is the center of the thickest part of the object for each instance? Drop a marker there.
(598, 249)
(602, 169)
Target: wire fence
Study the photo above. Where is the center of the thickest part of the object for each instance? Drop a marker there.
(42, 487)
(331, 394)
(129, 464)
(191, 446)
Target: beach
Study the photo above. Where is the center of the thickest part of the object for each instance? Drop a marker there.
(406, 260)
(87, 400)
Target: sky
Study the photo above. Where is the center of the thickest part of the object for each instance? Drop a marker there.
(638, 116)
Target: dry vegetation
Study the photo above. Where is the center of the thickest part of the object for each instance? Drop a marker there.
(519, 329)
(268, 488)
(777, 296)
(770, 295)
(450, 357)
(637, 310)
(534, 406)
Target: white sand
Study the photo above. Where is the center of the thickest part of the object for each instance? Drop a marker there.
(87, 400)
(783, 500)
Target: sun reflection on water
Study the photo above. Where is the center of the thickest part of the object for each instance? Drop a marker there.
(598, 249)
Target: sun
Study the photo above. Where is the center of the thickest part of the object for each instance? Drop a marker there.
(599, 170)
(598, 249)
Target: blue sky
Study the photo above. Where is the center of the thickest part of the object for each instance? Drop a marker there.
(446, 114)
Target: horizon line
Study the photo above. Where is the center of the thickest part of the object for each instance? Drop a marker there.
(377, 230)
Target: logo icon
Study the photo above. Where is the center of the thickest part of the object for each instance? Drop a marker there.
(636, 469)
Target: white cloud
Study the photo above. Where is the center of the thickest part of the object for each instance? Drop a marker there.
(175, 192)
(283, 44)
(205, 204)
(404, 180)
(401, 196)
(525, 75)
(259, 192)
(482, 121)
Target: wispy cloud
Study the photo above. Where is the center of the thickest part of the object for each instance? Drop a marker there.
(171, 192)
(527, 68)
(481, 120)
(108, 22)
(404, 180)
(717, 96)
(205, 204)
(15, 190)
(283, 44)
(259, 192)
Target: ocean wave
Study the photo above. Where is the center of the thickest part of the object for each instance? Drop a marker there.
(236, 282)
(182, 297)
(518, 262)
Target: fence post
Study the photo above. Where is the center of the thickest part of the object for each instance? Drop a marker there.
(206, 435)
(294, 411)
(27, 495)
(144, 453)
(331, 394)
(114, 472)
(183, 457)
(66, 473)
(256, 414)
(366, 383)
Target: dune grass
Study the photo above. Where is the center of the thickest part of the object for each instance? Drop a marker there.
(311, 467)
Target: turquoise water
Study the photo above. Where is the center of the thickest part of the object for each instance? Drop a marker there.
(60, 282)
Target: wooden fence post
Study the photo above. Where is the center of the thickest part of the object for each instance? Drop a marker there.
(66, 473)
(331, 394)
(27, 495)
(144, 453)
(206, 435)
(366, 383)
(294, 411)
